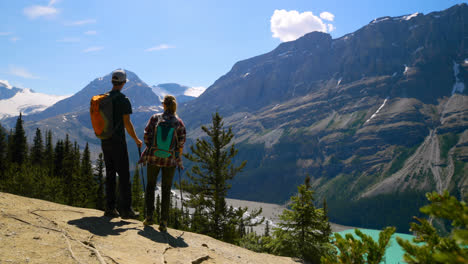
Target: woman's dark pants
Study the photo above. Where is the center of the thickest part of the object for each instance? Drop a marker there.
(167, 176)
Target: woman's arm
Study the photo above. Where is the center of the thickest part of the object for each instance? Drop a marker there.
(149, 131)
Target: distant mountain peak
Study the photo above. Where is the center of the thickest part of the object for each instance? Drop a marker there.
(6, 84)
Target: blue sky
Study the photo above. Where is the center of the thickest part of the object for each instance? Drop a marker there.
(59, 46)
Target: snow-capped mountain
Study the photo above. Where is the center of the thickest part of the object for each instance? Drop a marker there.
(14, 100)
(181, 92)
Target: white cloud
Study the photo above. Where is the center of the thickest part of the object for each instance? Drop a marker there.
(21, 72)
(327, 16)
(331, 27)
(14, 39)
(290, 25)
(93, 49)
(5, 33)
(160, 47)
(69, 40)
(40, 11)
(82, 22)
(90, 32)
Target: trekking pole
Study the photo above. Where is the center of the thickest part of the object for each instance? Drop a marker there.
(181, 199)
(141, 169)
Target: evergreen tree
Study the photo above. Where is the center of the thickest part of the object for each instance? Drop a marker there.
(157, 210)
(69, 171)
(88, 184)
(211, 173)
(10, 146)
(59, 154)
(267, 229)
(49, 153)
(137, 193)
(3, 153)
(37, 149)
(19, 148)
(99, 177)
(360, 250)
(437, 248)
(302, 230)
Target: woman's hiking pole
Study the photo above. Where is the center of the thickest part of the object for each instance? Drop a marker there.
(142, 181)
(181, 197)
(141, 167)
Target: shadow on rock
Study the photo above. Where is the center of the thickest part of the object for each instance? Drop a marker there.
(159, 237)
(101, 226)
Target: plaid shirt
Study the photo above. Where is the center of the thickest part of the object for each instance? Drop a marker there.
(147, 157)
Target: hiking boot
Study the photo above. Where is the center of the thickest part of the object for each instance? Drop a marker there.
(163, 227)
(112, 213)
(130, 214)
(148, 221)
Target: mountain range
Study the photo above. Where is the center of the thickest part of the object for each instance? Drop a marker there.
(377, 117)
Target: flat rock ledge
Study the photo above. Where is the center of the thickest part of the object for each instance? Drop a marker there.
(37, 231)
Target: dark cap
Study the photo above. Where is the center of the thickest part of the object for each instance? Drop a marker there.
(119, 76)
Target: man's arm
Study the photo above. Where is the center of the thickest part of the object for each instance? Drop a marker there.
(131, 130)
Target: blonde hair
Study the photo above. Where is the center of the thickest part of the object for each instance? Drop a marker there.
(170, 103)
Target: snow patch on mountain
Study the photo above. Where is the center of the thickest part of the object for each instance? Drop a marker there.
(6, 84)
(188, 91)
(378, 110)
(195, 91)
(410, 16)
(27, 102)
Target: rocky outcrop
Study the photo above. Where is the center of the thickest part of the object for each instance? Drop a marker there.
(36, 231)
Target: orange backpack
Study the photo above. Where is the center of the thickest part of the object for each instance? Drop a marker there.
(101, 111)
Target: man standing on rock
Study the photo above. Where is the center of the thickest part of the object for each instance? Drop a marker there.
(115, 151)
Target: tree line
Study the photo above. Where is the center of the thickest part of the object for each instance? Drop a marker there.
(57, 172)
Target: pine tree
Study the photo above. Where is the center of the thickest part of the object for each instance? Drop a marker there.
(99, 178)
(267, 229)
(69, 171)
(49, 153)
(78, 192)
(137, 193)
(301, 230)
(437, 248)
(157, 211)
(37, 149)
(10, 146)
(360, 250)
(3, 153)
(87, 181)
(210, 176)
(59, 154)
(19, 148)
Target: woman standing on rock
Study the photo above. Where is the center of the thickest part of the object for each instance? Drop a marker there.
(164, 138)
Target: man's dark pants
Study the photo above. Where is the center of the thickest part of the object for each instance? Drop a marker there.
(166, 184)
(116, 160)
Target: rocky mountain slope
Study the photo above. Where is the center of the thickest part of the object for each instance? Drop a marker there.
(36, 231)
(376, 114)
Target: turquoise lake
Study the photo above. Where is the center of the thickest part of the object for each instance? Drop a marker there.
(394, 253)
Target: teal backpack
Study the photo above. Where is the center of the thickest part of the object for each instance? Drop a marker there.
(165, 137)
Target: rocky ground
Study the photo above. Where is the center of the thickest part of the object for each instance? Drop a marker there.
(36, 231)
